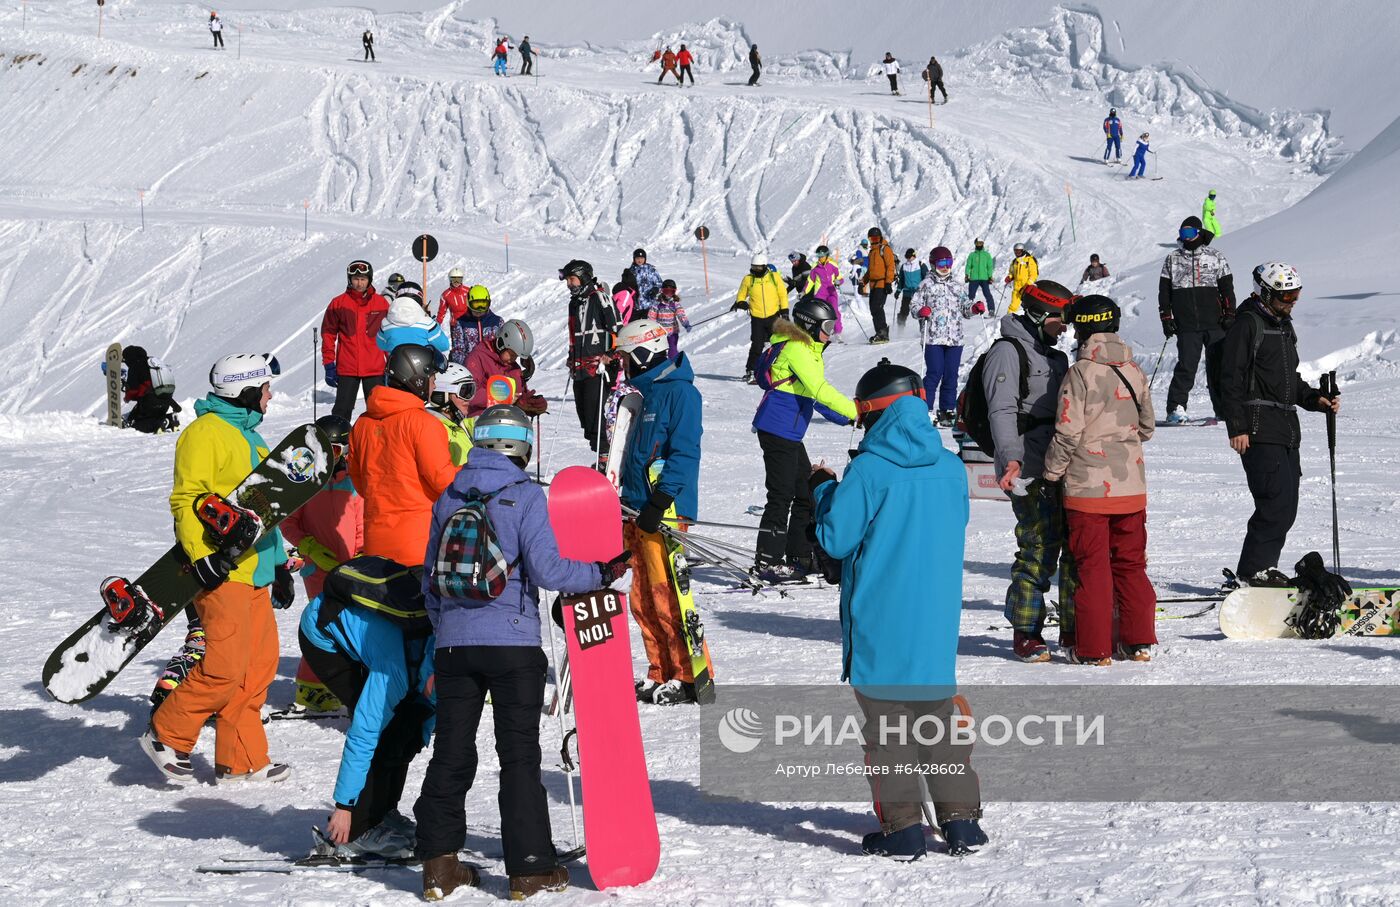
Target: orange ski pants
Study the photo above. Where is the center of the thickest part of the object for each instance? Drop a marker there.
(656, 609)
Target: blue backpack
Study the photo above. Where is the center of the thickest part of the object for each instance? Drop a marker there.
(763, 368)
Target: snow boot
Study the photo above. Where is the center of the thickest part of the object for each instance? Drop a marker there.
(947, 418)
(523, 886)
(1177, 416)
(646, 688)
(905, 845)
(674, 692)
(444, 874)
(963, 836)
(1140, 653)
(174, 765)
(748, 378)
(1028, 648)
(272, 773)
(1073, 657)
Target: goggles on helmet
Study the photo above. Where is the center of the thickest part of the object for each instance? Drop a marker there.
(358, 269)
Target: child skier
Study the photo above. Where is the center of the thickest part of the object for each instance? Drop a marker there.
(450, 402)
(941, 308)
(478, 324)
(492, 648)
(408, 322)
(824, 281)
(670, 314)
(491, 363)
(1140, 158)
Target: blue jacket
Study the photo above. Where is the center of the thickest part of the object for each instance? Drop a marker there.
(668, 429)
(396, 669)
(897, 523)
(520, 517)
(800, 387)
(648, 284)
(1140, 155)
(1113, 127)
(425, 333)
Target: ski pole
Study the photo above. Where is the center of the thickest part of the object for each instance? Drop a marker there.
(563, 735)
(1329, 387)
(711, 318)
(1160, 354)
(680, 521)
(539, 449)
(315, 384)
(598, 426)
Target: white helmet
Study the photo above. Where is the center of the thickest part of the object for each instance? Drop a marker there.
(515, 335)
(456, 273)
(1276, 277)
(644, 340)
(759, 260)
(232, 375)
(455, 379)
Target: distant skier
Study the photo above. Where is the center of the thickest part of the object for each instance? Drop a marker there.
(391, 286)
(940, 306)
(1196, 302)
(477, 325)
(1140, 158)
(755, 63)
(685, 59)
(764, 295)
(859, 262)
(501, 57)
(668, 64)
(1103, 418)
(1113, 137)
(1208, 214)
(824, 281)
(1095, 271)
(900, 609)
(891, 67)
(978, 271)
(453, 299)
(367, 39)
(670, 314)
(933, 75)
(147, 382)
(348, 351)
(1260, 393)
(911, 273)
(1024, 271)
(216, 27)
(527, 57)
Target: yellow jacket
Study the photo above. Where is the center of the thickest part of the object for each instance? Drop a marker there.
(1024, 270)
(459, 437)
(214, 454)
(766, 295)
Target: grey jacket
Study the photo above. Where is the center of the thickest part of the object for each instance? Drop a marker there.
(1001, 379)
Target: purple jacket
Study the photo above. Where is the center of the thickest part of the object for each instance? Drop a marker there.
(825, 275)
(520, 518)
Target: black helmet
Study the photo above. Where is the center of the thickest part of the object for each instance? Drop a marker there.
(411, 366)
(668, 284)
(359, 268)
(881, 386)
(1044, 299)
(1094, 314)
(823, 251)
(815, 316)
(639, 253)
(336, 428)
(578, 268)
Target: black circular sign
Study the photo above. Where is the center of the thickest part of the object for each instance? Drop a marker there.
(702, 233)
(425, 248)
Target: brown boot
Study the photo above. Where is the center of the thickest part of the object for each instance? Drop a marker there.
(522, 886)
(444, 874)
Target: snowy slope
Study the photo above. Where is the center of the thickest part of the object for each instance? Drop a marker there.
(592, 160)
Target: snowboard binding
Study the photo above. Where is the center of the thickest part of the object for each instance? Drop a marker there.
(233, 528)
(129, 607)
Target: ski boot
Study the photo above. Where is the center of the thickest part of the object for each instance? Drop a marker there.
(947, 418)
(905, 845)
(963, 836)
(314, 697)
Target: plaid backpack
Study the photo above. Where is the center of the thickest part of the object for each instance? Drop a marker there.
(470, 563)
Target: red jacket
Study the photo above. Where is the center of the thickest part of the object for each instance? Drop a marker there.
(485, 363)
(347, 333)
(335, 520)
(668, 60)
(454, 300)
(684, 58)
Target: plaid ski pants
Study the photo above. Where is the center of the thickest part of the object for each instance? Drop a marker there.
(1042, 549)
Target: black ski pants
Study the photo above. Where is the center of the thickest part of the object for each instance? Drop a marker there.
(514, 677)
(218, 39)
(590, 394)
(1189, 345)
(894, 82)
(878, 295)
(782, 532)
(348, 388)
(527, 64)
(937, 85)
(399, 742)
(760, 332)
(369, 51)
(757, 70)
(685, 71)
(1273, 472)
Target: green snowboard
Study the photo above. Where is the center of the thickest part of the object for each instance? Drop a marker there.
(85, 662)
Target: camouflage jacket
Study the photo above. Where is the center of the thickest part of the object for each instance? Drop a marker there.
(1196, 290)
(1099, 430)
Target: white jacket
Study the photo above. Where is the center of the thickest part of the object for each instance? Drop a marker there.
(891, 68)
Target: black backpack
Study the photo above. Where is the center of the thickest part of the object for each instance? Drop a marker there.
(973, 417)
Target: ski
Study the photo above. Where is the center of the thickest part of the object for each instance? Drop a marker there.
(292, 713)
(289, 865)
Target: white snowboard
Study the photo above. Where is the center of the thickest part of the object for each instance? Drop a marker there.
(1262, 613)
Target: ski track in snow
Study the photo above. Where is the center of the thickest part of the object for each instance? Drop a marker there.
(587, 161)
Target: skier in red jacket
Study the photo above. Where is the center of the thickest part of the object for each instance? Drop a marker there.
(684, 59)
(348, 351)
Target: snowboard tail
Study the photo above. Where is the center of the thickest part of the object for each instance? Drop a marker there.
(1259, 612)
(113, 364)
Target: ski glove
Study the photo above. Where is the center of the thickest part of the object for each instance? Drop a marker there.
(284, 591)
(613, 570)
(527, 368)
(649, 520)
(532, 404)
(332, 379)
(739, 305)
(211, 570)
(320, 555)
(1169, 327)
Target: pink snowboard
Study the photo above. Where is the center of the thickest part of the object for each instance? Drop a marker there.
(619, 822)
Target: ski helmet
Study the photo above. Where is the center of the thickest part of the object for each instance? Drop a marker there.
(1018, 248)
(639, 253)
(644, 342)
(410, 290)
(506, 429)
(411, 368)
(794, 255)
(865, 243)
(874, 232)
(977, 244)
(823, 252)
(1094, 314)
(668, 284)
(1094, 256)
(456, 274)
(393, 283)
(1211, 193)
(456, 379)
(1113, 112)
(942, 259)
(515, 335)
(1044, 299)
(1276, 280)
(759, 260)
(234, 375)
(815, 316)
(578, 268)
(359, 268)
(881, 386)
(479, 299)
(337, 431)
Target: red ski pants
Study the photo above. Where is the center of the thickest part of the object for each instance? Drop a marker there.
(1110, 550)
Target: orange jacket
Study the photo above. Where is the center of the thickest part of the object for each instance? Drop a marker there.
(668, 60)
(881, 271)
(400, 466)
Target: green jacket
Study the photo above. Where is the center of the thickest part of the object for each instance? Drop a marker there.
(980, 265)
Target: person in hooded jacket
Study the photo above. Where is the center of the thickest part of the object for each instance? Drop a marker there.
(941, 307)
(501, 359)
(764, 295)
(1022, 426)
(492, 648)
(879, 279)
(900, 613)
(349, 354)
(668, 429)
(798, 389)
(408, 323)
(647, 280)
(1023, 272)
(1103, 419)
(1196, 302)
(1208, 218)
(476, 326)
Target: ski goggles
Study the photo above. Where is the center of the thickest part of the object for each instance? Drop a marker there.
(455, 281)
(1186, 234)
(943, 263)
(1288, 297)
(876, 404)
(503, 432)
(358, 269)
